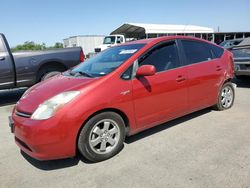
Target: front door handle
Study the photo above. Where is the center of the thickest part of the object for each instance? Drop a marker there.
(180, 78)
(2, 58)
(218, 68)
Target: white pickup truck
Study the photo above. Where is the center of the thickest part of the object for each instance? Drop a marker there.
(109, 41)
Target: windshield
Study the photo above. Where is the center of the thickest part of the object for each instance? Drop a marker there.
(230, 43)
(106, 61)
(109, 40)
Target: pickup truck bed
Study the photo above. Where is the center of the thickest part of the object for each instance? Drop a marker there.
(24, 69)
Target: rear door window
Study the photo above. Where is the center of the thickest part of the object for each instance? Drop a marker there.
(196, 51)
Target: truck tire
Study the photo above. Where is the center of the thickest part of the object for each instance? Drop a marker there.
(102, 136)
(49, 75)
(49, 71)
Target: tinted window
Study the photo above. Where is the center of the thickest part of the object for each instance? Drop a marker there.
(196, 51)
(217, 51)
(163, 57)
(128, 73)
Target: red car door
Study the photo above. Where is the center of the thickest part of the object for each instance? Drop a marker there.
(204, 74)
(162, 96)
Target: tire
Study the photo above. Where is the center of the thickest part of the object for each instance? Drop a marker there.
(49, 71)
(49, 75)
(102, 137)
(226, 97)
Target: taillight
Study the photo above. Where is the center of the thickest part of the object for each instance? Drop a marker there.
(82, 57)
(232, 64)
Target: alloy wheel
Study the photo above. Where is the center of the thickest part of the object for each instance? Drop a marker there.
(227, 97)
(104, 136)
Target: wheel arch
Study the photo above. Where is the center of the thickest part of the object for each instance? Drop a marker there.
(50, 63)
(118, 111)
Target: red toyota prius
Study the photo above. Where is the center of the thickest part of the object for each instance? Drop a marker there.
(122, 91)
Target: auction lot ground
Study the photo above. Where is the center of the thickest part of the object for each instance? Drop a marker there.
(204, 149)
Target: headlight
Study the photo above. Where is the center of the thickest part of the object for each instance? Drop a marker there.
(48, 108)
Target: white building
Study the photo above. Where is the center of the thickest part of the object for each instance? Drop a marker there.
(87, 42)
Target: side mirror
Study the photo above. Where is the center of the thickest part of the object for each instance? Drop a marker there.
(146, 70)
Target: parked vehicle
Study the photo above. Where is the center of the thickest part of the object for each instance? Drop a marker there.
(120, 92)
(110, 41)
(24, 69)
(242, 58)
(230, 43)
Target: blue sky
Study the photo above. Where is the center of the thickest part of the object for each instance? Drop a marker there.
(50, 21)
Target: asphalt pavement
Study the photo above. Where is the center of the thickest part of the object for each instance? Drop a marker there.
(204, 149)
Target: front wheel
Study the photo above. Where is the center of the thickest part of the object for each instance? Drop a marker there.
(226, 97)
(102, 137)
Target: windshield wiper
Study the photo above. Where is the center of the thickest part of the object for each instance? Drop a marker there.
(84, 74)
(71, 73)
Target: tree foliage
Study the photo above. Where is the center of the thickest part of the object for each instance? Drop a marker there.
(30, 45)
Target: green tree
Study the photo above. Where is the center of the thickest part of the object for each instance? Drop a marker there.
(58, 45)
(30, 45)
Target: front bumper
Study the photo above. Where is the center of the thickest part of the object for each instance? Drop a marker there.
(45, 139)
(242, 69)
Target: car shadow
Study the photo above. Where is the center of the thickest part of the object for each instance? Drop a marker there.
(164, 126)
(8, 97)
(54, 164)
(243, 82)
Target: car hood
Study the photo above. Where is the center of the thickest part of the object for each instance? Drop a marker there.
(43, 91)
(104, 46)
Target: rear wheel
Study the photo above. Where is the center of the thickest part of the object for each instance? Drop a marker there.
(49, 71)
(226, 97)
(49, 75)
(102, 137)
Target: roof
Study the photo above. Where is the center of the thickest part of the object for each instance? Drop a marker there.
(165, 38)
(140, 29)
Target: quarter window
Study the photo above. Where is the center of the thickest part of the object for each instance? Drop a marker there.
(128, 73)
(196, 51)
(163, 57)
(217, 51)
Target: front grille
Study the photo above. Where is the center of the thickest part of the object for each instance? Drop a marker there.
(245, 67)
(22, 114)
(22, 143)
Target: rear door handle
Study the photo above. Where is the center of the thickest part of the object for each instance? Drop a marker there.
(2, 58)
(218, 68)
(180, 78)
